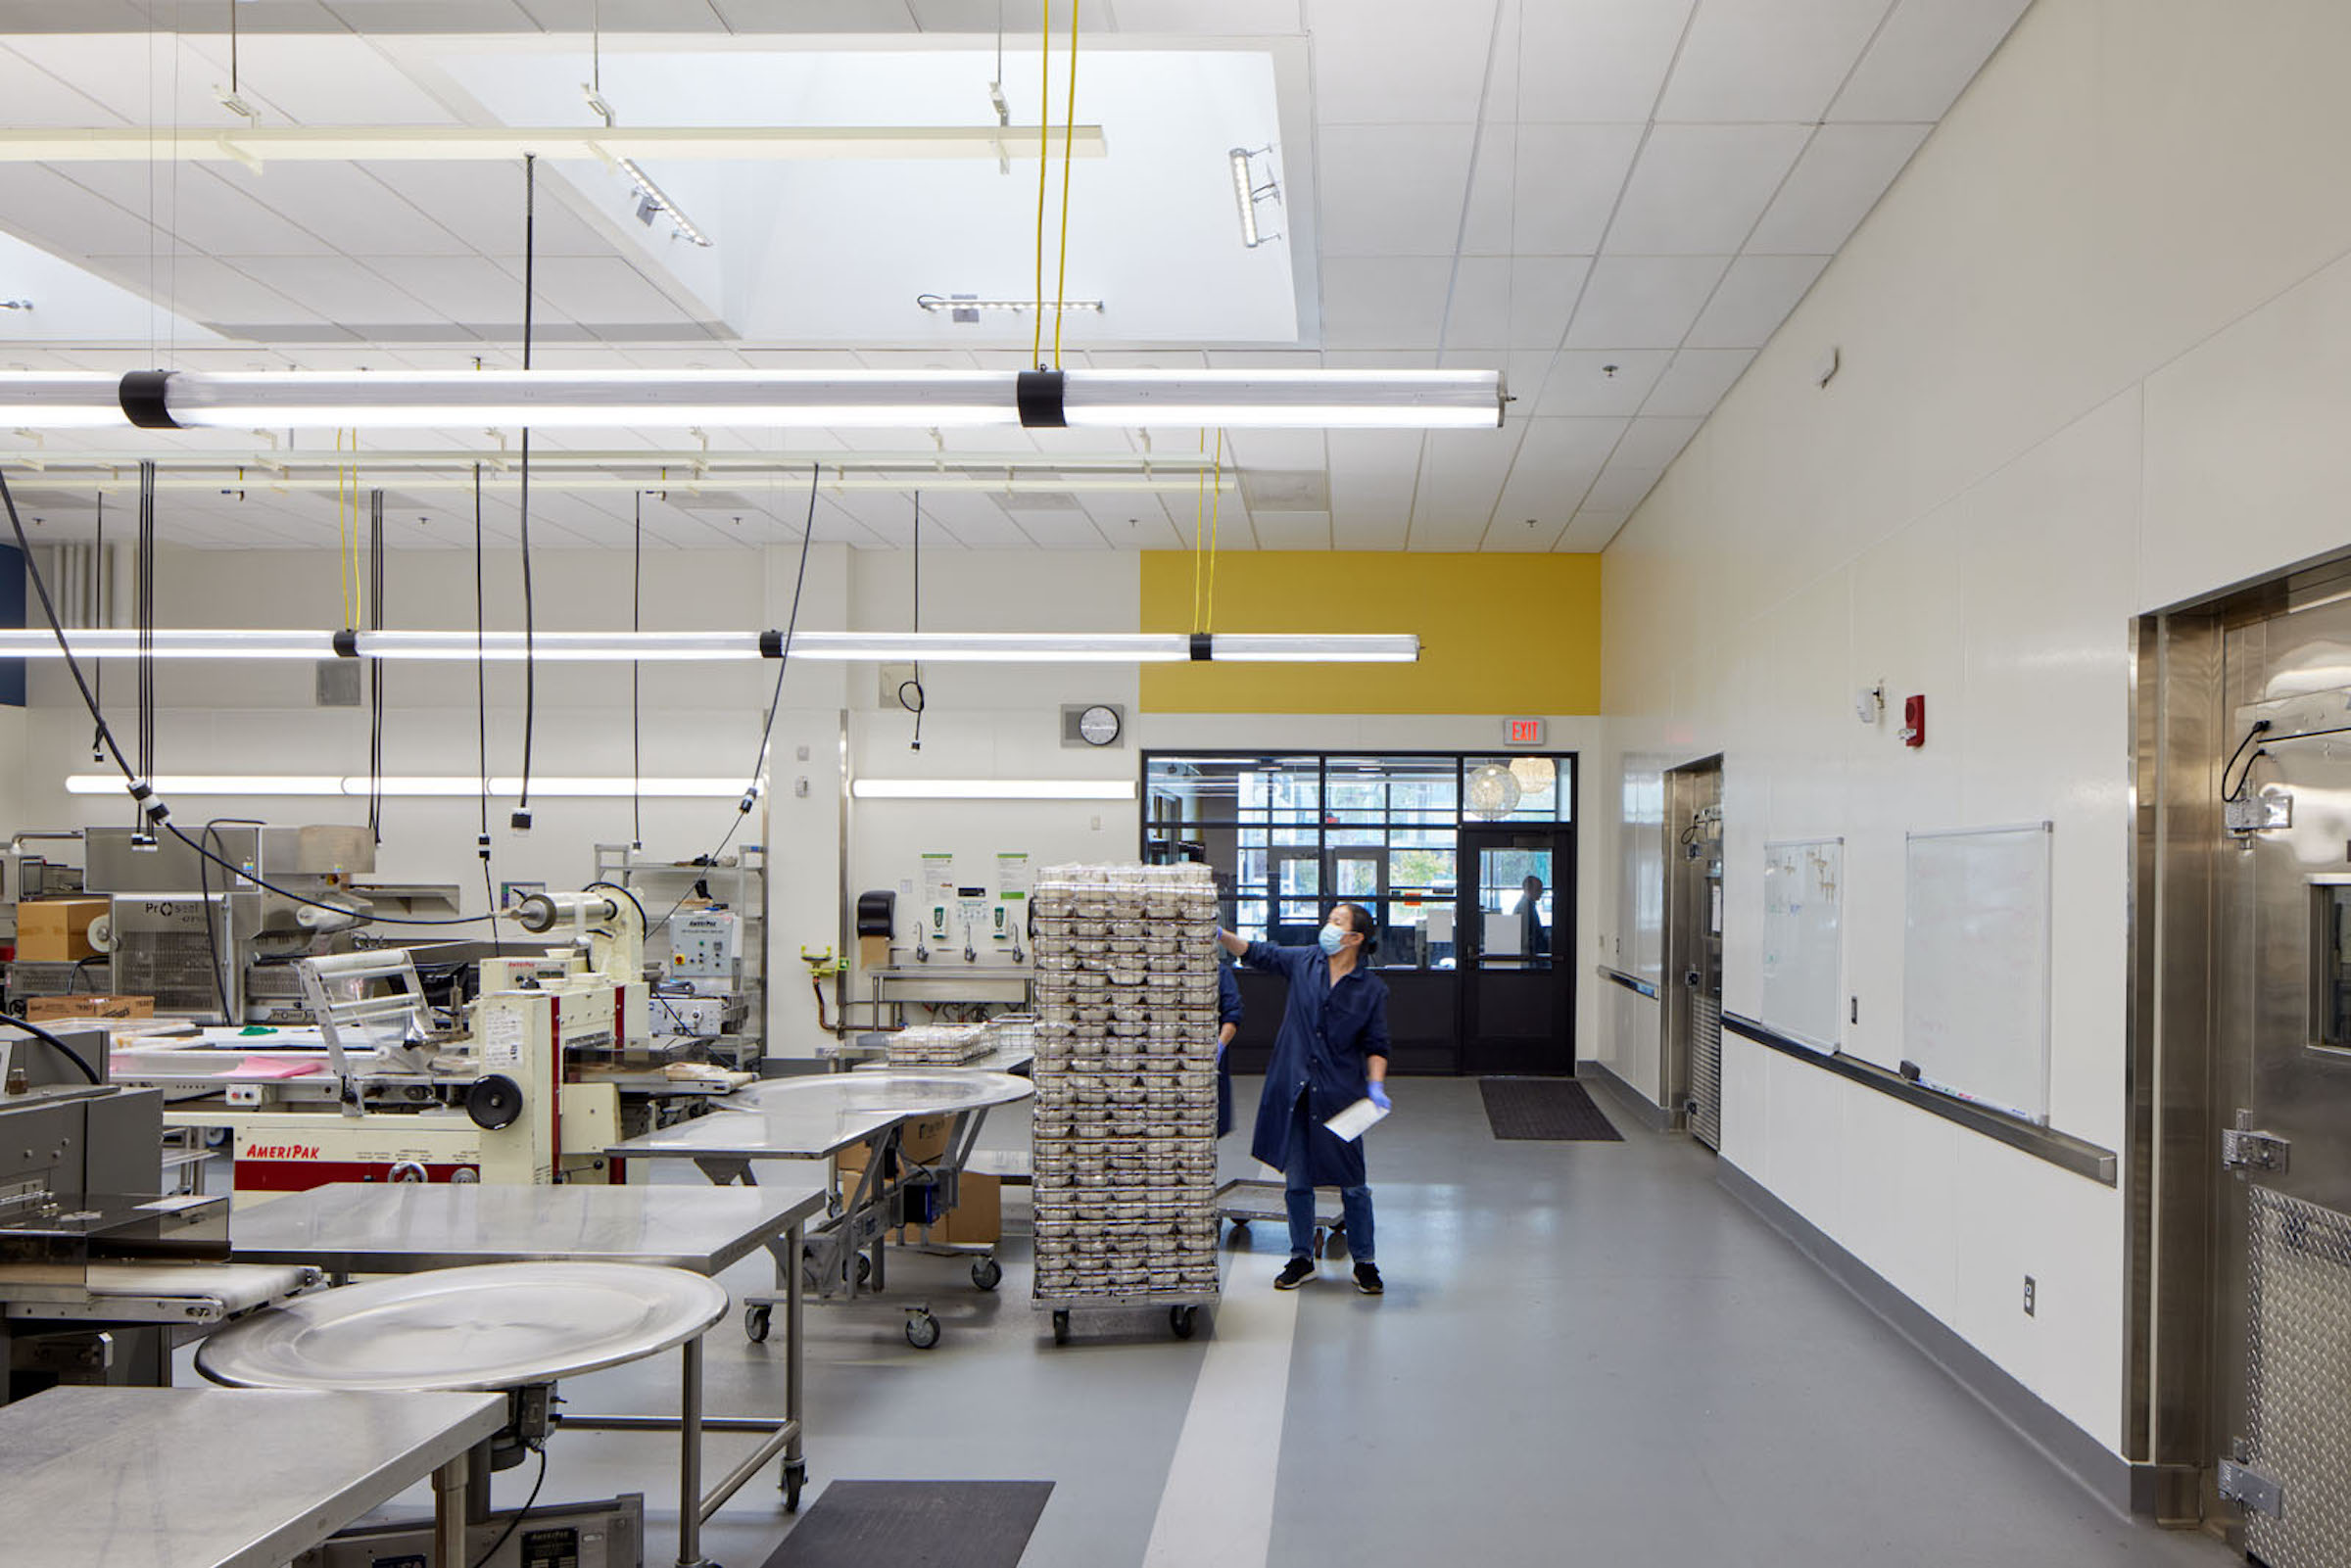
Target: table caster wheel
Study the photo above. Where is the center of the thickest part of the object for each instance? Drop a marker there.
(1184, 1320)
(922, 1330)
(756, 1319)
(796, 1476)
(1240, 1227)
(987, 1273)
(865, 1268)
(1061, 1328)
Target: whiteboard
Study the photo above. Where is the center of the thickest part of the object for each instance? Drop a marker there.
(1803, 938)
(1976, 965)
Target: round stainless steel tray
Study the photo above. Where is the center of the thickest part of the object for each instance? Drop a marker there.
(490, 1326)
(910, 1091)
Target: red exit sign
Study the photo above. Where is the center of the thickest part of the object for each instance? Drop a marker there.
(1524, 731)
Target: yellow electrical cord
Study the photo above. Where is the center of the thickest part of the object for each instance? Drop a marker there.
(1068, 129)
(1215, 505)
(1199, 519)
(1044, 151)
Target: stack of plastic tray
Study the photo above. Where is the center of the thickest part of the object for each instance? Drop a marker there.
(937, 1046)
(1126, 1112)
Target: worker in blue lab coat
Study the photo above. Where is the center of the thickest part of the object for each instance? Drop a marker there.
(1333, 1051)
(1228, 1024)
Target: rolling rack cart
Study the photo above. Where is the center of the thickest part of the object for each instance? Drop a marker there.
(1123, 1183)
(1241, 1202)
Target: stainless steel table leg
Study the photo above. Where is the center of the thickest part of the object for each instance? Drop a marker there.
(689, 1458)
(477, 1485)
(796, 1466)
(449, 1512)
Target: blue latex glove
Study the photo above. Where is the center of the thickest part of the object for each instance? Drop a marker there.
(1378, 1093)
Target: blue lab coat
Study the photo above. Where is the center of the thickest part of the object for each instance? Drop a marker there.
(1327, 1034)
(1228, 1011)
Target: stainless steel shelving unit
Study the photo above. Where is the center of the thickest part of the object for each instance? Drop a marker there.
(740, 884)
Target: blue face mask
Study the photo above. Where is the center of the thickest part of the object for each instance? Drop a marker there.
(1333, 939)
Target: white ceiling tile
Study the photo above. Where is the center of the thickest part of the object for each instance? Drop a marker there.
(1461, 472)
(1378, 61)
(1653, 441)
(482, 204)
(1391, 190)
(1547, 190)
(1643, 302)
(1512, 304)
(1276, 449)
(602, 291)
(34, 97)
(1451, 532)
(1226, 18)
(1753, 299)
(1834, 184)
(345, 207)
(1052, 530)
(1767, 60)
(1371, 476)
(1557, 460)
(1696, 380)
(1620, 487)
(1385, 301)
(1292, 530)
(1698, 189)
(214, 292)
(1926, 53)
(1590, 59)
(204, 211)
(1019, 17)
(335, 81)
(1580, 381)
(815, 16)
(1590, 532)
(339, 289)
(43, 206)
(471, 289)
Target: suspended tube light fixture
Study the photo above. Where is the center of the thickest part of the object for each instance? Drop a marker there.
(648, 648)
(193, 400)
(449, 787)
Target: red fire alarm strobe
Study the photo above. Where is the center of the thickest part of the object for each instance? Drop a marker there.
(1914, 722)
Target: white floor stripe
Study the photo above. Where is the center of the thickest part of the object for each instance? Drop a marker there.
(1219, 1504)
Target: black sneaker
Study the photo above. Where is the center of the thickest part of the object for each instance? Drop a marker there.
(1366, 1279)
(1294, 1273)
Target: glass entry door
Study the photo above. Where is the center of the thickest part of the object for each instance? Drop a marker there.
(1513, 938)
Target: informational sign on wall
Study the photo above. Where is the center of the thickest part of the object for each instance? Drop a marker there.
(939, 890)
(1011, 876)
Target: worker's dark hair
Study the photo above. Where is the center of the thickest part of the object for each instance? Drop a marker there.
(1359, 919)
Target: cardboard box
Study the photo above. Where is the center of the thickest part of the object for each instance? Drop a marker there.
(57, 930)
(976, 1218)
(920, 1141)
(41, 1009)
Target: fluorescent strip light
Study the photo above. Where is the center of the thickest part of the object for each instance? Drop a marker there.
(40, 401)
(256, 144)
(991, 788)
(937, 302)
(659, 198)
(422, 786)
(1418, 400)
(1242, 194)
(832, 647)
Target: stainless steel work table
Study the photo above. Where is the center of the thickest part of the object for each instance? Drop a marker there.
(402, 1227)
(818, 1115)
(406, 1227)
(136, 1478)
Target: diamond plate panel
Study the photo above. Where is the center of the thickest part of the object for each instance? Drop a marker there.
(1705, 1070)
(2297, 1367)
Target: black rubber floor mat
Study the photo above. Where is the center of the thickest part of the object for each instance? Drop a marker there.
(1552, 1110)
(916, 1524)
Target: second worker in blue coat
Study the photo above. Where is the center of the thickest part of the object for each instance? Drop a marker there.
(1333, 1051)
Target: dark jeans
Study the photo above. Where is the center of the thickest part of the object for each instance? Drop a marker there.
(1355, 1203)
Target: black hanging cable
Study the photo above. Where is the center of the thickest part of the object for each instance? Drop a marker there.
(144, 609)
(530, 615)
(920, 700)
(481, 711)
(775, 702)
(636, 714)
(152, 810)
(375, 667)
(2260, 728)
(101, 611)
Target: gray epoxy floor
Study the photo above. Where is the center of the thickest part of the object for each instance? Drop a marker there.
(1587, 1352)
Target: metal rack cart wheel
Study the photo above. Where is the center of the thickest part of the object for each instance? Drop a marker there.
(1184, 1308)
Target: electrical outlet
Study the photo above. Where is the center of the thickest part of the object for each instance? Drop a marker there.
(2029, 1294)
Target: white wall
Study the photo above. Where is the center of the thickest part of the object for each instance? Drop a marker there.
(2095, 340)
(989, 721)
